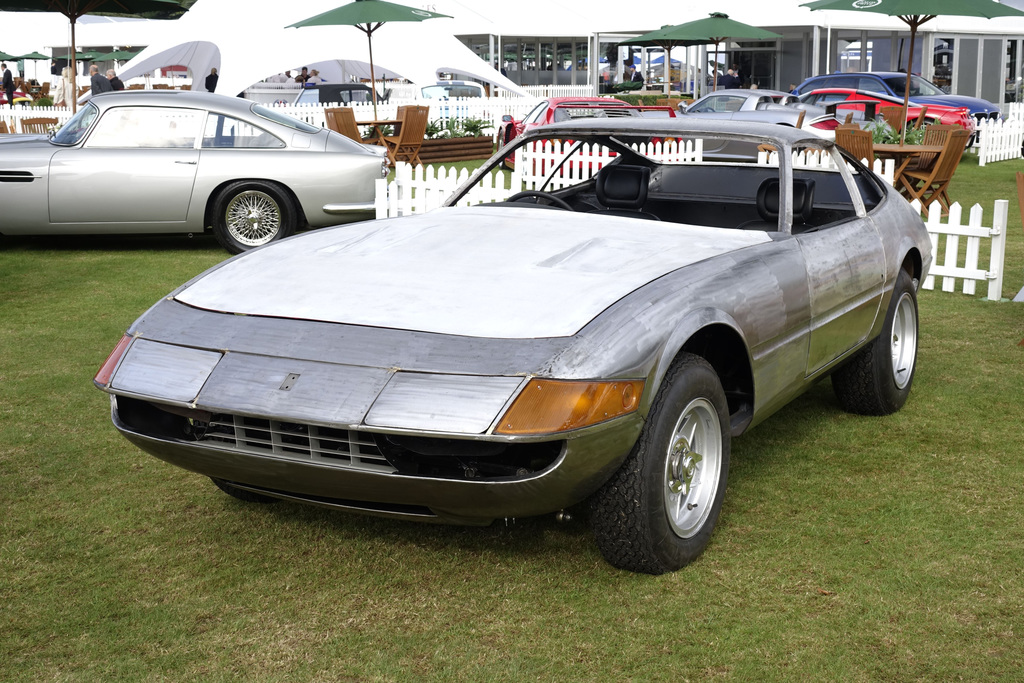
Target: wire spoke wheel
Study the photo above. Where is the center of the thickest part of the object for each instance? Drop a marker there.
(693, 467)
(253, 218)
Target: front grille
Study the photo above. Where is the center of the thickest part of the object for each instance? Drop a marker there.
(305, 442)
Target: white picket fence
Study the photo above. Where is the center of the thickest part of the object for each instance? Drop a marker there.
(884, 168)
(958, 260)
(999, 140)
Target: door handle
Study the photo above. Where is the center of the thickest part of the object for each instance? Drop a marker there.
(191, 163)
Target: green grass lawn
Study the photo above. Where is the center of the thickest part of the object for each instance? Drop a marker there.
(849, 548)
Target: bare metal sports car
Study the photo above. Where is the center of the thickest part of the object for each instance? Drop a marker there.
(596, 333)
(171, 161)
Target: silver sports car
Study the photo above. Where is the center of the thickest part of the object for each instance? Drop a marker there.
(596, 333)
(763, 106)
(172, 161)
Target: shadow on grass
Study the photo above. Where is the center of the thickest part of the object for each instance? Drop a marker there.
(123, 243)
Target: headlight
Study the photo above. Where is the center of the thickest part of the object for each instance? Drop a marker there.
(548, 406)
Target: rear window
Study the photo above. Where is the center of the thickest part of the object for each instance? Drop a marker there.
(278, 117)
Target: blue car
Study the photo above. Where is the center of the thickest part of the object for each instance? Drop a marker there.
(922, 91)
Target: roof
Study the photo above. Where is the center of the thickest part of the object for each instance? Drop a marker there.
(679, 126)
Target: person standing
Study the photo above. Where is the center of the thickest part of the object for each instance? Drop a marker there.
(59, 90)
(115, 82)
(8, 83)
(211, 81)
(97, 83)
(302, 77)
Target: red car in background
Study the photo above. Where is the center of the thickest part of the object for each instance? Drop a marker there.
(557, 109)
(936, 113)
(20, 97)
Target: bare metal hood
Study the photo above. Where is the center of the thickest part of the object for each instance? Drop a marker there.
(481, 271)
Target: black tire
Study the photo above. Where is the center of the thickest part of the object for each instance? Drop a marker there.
(877, 380)
(657, 512)
(242, 494)
(251, 213)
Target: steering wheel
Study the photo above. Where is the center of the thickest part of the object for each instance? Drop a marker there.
(557, 201)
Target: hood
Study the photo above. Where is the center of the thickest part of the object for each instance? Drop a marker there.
(480, 271)
(975, 104)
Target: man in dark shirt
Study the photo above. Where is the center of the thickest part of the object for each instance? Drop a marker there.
(211, 81)
(115, 82)
(8, 84)
(97, 82)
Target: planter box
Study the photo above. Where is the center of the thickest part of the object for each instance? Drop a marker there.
(456, 149)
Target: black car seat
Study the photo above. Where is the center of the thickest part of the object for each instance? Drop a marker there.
(622, 191)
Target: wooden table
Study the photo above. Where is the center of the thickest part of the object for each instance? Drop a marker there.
(903, 154)
(378, 125)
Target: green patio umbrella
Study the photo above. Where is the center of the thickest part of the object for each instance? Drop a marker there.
(73, 9)
(916, 12)
(717, 28)
(30, 55)
(368, 16)
(6, 57)
(116, 55)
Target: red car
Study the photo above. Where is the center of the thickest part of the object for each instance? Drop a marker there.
(20, 97)
(936, 113)
(558, 109)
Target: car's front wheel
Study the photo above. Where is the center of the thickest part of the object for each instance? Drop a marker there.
(248, 214)
(657, 512)
(877, 380)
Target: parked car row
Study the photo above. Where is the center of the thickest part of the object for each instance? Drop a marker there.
(894, 83)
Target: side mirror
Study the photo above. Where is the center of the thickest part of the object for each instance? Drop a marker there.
(507, 118)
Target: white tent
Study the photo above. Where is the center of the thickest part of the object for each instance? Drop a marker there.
(248, 46)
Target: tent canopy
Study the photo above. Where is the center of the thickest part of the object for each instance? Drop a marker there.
(214, 34)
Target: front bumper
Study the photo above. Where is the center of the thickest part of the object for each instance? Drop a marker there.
(581, 462)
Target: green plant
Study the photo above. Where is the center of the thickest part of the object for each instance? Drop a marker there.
(43, 102)
(456, 128)
(884, 134)
(476, 127)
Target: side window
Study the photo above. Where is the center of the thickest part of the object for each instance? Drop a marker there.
(871, 85)
(843, 82)
(147, 127)
(226, 131)
(534, 116)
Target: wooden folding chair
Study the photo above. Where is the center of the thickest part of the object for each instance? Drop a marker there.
(929, 185)
(343, 120)
(934, 135)
(3, 128)
(894, 117)
(920, 117)
(38, 125)
(406, 145)
(857, 142)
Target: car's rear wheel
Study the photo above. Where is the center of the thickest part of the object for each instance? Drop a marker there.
(252, 213)
(657, 513)
(242, 494)
(877, 380)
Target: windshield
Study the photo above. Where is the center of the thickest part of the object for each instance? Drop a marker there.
(918, 86)
(278, 117)
(73, 131)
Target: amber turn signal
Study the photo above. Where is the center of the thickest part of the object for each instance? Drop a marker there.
(102, 378)
(548, 406)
